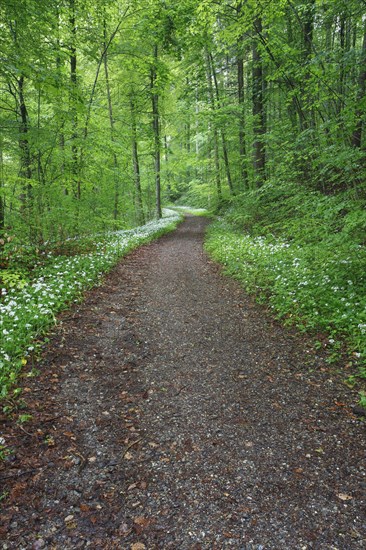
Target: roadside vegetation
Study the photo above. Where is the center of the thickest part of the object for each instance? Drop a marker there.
(302, 253)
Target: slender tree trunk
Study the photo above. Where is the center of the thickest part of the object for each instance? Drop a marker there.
(217, 165)
(26, 172)
(359, 115)
(222, 131)
(241, 104)
(73, 104)
(2, 198)
(61, 139)
(111, 124)
(342, 39)
(26, 165)
(136, 166)
(308, 31)
(166, 160)
(259, 115)
(196, 139)
(188, 136)
(215, 133)
(188, 149)
(241, 99)
(156, 130)
(25, 155)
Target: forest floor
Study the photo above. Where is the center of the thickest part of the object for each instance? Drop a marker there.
(171, 411)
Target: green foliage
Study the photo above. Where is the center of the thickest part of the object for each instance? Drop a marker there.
(4, 452)
(23, 418)
(12, 279)
(363, 400)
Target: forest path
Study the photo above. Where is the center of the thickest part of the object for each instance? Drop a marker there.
(173, 413)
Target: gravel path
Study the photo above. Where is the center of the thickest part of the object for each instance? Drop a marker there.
(172, 412)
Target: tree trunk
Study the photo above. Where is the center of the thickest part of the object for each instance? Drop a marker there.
(306, 92)
(222, 131)
(136, 166)
(241, 99)
(215, 133)
(61, 139)
(2, 198)
(259, 115)
(25, 155)
(156, 130)
(73, 105)
(26, 165)
(111, 124)
(359, 115)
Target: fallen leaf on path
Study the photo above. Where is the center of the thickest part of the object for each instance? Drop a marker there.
(128, 456)
(138, 546)
(84, 508)
(70, 522)
(141, 521)
(69, 434)
(229, 535)
(342, 496)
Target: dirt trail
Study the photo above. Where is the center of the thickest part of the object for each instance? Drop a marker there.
(172, 413)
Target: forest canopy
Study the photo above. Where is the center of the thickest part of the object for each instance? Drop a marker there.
(108, 107)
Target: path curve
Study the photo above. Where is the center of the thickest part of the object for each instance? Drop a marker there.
(173, 413)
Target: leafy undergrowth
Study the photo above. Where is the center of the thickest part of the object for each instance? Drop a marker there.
(191, 210)
(29, 301)
(304, 255)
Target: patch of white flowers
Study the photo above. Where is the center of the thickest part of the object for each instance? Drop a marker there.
(26, 312)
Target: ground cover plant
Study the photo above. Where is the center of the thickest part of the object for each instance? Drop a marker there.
(30, 301)
(191, 210)
(306, 259)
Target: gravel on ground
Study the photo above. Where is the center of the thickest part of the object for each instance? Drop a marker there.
(172, 412)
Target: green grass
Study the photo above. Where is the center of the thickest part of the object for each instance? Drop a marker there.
(192, 210)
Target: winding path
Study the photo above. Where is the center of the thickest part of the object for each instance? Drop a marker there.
(173, 413)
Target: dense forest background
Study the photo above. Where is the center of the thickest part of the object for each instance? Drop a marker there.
(106, 104)
(256, 110)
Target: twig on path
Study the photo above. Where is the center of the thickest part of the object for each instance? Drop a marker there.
(83, 460)
(181, 389)
(44, 420)
(131, 445)
(19, 474)
(25, 431)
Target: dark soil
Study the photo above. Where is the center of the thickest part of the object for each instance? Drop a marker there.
(173, 412)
